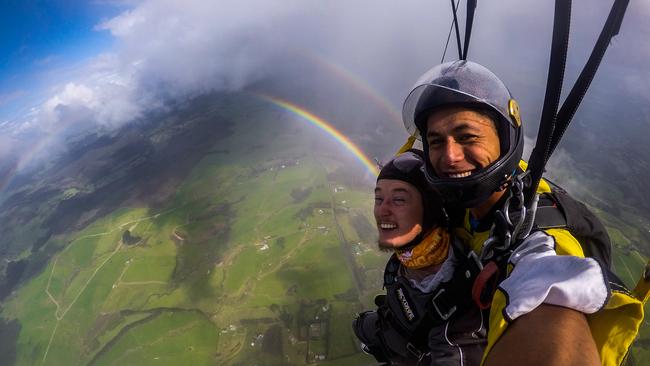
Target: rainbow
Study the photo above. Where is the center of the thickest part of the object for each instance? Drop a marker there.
(314, 120)
(360, 84)
(328, 128)
(26, 157)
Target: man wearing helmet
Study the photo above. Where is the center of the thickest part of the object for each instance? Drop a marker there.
(411, 223)
(553, 306)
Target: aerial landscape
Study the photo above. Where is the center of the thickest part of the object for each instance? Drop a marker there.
(227, 267)
(233, 225)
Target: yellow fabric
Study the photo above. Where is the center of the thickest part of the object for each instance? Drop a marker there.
(407, 145)
(565, 243)
(642, 289)
(432, 250)
(568, 244)
(614, 328)
(498, 324)
(471, 239)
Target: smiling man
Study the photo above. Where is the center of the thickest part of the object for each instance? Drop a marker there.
(553, 306)
(461, 142)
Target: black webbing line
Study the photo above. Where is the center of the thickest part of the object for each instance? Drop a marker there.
(451, 27)
(553, 125)
(469, 20)
(460, 50)
(567, 111)
(557, 63)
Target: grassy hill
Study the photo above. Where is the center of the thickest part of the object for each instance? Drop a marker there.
(259, 251)
(253, 258)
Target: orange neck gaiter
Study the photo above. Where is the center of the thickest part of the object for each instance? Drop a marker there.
(432, 250)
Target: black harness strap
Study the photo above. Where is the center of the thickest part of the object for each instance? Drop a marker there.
(557, 63)
(554, 123)
(567, 111)
(426, 310)
(469, 20)
(549, 217)
(451, 27)
(460, 49)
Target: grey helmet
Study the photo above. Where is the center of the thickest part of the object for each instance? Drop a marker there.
(467, 84)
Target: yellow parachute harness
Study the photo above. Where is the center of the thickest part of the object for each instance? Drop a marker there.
(408, 144)
(614, 328)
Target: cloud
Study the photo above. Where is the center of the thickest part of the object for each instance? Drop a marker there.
(529, 144)
(172, 50)
(7, 146)
(108, 97)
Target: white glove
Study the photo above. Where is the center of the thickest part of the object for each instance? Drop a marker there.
(541, 276)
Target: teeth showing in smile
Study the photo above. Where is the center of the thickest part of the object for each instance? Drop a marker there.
(387, 226)
(460, 175)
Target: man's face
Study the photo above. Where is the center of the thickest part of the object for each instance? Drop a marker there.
(398, 212)
(461, 141)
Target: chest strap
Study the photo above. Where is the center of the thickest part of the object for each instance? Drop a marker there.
(413, 310)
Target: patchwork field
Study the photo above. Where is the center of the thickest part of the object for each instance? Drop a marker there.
(253, 259)
(262, 255)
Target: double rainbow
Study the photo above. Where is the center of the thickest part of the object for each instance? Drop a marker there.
(327, 127)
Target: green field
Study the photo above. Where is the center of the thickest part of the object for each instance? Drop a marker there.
(248, 246)
(263, 255)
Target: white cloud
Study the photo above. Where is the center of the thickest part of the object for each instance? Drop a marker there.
(172, 49)
(7, 145)
(169, 49)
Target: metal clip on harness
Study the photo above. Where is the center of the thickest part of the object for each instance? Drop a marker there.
(505, 235)
(504, 232)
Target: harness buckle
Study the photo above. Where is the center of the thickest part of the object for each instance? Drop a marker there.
(445, 312)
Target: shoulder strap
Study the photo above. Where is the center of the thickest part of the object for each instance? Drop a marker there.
(586, 227)
(558, 209)
(549, 215)
(390, 272)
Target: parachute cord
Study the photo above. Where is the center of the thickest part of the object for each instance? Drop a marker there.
(451, 27)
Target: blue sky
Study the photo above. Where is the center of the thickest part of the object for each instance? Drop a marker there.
(37, 38)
